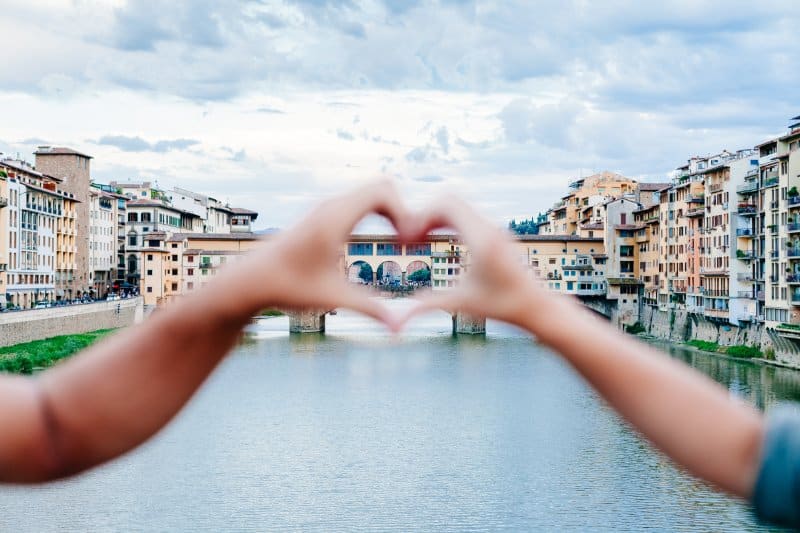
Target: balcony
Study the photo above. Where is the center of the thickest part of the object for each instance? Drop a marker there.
(744, 276)
(748, 187)
(695, 198)
(793, 201)
(789, 330)
(3, 201)
(746, 209)
(793, 253)
(760, 296)
(715, 187)
(793, 279)
(715, 293)
(744, 232)
(717, 313)
(795, 297)
(793, 227)
(744, 294)
(771, 181)
(695, 212)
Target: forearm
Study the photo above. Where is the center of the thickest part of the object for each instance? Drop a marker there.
(121, 391)
(688, 416)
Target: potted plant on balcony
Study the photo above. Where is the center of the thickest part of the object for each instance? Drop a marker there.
(793, 192)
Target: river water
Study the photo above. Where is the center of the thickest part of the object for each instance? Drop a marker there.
(357, 430)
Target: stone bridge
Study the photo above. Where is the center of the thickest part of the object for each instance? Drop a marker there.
(600, 305)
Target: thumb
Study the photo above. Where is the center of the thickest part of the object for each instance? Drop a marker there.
(361, 301)
(450, 301)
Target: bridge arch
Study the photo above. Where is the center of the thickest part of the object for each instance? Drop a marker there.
(360, 272)
(421, 267)
(389, 272)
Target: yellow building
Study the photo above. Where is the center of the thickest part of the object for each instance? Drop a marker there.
(576, 208)
(182, 262)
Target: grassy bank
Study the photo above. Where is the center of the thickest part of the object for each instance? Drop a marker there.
(739, 350)
(27, 357)
(271, 312)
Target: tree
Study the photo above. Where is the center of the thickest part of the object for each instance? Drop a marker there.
(421, 275)
(526, 227)
(365, 273)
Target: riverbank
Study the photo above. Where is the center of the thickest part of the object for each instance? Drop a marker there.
(28, 357)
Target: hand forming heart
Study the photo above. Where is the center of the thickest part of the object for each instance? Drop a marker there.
(304, 270)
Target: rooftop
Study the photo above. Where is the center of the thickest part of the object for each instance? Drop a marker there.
(58, 150)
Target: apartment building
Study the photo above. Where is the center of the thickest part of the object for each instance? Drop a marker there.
(648, 241)
(182, 262)
(3, 234)
(73, 169)
(103, 240)
(576, 207)
(568, 264)
(31, 216)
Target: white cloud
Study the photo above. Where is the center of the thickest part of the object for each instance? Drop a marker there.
(277, 102)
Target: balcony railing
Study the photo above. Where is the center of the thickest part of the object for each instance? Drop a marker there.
(746, 209)
(791, 228)
(744, 276)
(771, 181)
(793, 200)
(793, 279)
(750, 186)
(744, 294)
(793, 252)
(744, 232)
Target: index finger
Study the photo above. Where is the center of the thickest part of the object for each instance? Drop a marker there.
(380, 197)
(453, 212)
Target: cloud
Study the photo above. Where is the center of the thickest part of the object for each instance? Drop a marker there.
(443, 139)
(429, 179)
(346, 135)
(270, 111)
(137, 144)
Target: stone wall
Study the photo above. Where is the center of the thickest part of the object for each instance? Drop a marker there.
(677, 325)
(26, 326)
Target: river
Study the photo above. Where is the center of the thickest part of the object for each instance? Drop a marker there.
(357, 430)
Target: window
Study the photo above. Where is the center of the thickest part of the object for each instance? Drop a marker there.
(149, 289)
(174, 271)
(149, 257)
(359, 248)
(149, 272)
(174, 244)
(132, 239)
(154, 243)
(190, 259)
(389, 249)
(190, 272)
(418, 249)
(174, 286)
(133, 217)
(174, 257)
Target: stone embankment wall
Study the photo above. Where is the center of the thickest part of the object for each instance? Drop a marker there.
(677, 325)
(35, 324)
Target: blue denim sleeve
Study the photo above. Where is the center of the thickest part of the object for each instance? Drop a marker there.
(776, 496)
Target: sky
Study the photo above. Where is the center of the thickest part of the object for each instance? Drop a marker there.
(273, 105)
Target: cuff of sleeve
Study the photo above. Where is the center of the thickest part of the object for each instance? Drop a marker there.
(776, 497)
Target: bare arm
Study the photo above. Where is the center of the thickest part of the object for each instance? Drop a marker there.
(685, 414)
(118, 393)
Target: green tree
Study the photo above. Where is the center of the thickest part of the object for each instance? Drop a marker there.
(421, 275)
(365, 273)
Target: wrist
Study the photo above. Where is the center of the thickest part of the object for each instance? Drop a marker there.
(548, 313)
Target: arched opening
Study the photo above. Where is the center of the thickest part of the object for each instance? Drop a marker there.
(360, 272)
(389, 273)
(418, 274)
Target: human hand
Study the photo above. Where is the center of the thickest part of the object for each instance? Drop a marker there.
(495, 284)
(301, 267)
